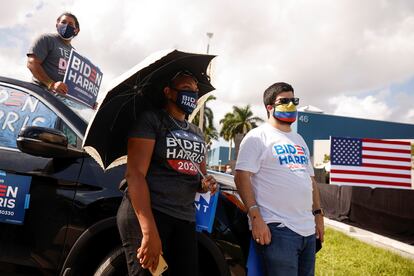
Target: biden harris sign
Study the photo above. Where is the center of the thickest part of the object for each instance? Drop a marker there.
(83, 79)
(14, 197)
(205, 210)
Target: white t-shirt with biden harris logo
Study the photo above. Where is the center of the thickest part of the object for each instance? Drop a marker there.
(281, 180)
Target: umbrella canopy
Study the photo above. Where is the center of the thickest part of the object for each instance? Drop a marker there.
(137, 90)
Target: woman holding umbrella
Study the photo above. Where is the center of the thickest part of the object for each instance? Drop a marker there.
(166, 167)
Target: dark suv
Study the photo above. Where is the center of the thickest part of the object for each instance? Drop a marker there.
(68, 224)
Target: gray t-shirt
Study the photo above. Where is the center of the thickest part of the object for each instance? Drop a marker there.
(53, 53)
(172, 179)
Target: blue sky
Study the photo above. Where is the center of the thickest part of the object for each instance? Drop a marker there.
(350, 58)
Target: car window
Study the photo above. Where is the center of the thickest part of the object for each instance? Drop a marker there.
(70, 134)
(83, 111)
(19, 109)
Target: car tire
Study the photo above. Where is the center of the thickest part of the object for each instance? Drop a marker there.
(114, 264)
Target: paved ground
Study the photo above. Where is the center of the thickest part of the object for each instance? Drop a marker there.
(398, 247)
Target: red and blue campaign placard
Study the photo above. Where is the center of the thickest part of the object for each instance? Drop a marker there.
(206, 205)
(83, 79)
(14, 197)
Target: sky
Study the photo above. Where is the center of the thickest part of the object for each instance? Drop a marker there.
(347, 57)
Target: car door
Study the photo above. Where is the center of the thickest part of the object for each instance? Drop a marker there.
(36, 241)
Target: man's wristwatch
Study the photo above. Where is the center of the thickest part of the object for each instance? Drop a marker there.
(318, 212)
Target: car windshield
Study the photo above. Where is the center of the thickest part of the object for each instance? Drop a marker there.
(83, 111)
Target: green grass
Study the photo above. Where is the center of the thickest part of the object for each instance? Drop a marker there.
(343, 255)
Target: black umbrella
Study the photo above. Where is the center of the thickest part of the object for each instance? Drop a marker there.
(137, 90)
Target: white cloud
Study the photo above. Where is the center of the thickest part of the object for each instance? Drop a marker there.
(410, 115)
(12, 66)
(368, 107)
(323, 48)
(17, 12)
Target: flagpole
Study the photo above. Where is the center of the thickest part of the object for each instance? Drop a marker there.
(201, 117)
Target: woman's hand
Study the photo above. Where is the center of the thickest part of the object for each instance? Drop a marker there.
(209, 183)
(139, 157)
(149, 251)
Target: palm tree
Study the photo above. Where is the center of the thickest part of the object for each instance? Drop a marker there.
(240, 121)
(210, 132)
(226, 130)
(243, 120)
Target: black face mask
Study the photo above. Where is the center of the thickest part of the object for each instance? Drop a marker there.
(186, 100)
(66, 31)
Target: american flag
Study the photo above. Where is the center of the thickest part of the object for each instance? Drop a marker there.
(370, 162)
(300, 150)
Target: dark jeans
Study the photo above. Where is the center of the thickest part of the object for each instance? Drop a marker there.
(178, 238)
(288, 253)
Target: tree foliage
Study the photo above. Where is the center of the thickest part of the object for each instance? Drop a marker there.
(210, 132)
(240, 121)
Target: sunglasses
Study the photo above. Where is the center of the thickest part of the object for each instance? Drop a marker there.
(182, 90)
(182, 73)
(295, 101)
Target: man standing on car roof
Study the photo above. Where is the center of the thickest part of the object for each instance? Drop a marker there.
(48, 56)
(274, 177)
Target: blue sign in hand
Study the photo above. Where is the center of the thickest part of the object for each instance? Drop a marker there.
(254, 261)
(14, 197)
(83, 79)
(205, 210)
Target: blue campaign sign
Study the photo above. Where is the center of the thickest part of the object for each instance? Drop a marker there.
(83, 79)
(14, 197)
(205, 210)
(254, 262)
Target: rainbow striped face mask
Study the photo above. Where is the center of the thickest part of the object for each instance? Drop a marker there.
(285, 112)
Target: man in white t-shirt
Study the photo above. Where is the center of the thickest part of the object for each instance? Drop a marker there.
(274, 177)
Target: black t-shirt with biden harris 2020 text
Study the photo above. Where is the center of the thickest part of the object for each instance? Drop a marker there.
(172, 178)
